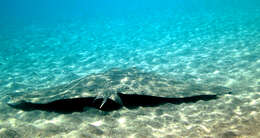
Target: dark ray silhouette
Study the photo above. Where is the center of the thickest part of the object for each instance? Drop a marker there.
(128, 100)
(68, 105)
(134, 100)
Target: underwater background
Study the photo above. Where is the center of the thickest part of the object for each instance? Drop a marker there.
(170, 48)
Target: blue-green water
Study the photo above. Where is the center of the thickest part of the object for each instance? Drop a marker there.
(210, 43)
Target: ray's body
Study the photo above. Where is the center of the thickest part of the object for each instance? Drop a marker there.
(128, 100)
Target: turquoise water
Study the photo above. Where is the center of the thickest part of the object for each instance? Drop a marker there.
(208, 46)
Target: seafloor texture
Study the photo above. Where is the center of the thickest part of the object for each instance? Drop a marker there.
(165, 120)
(176, 54)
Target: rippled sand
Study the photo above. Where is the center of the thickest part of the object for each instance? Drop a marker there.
(173, 57)
(232, 115)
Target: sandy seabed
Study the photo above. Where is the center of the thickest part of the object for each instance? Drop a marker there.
(212, 55)
(231, 115)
